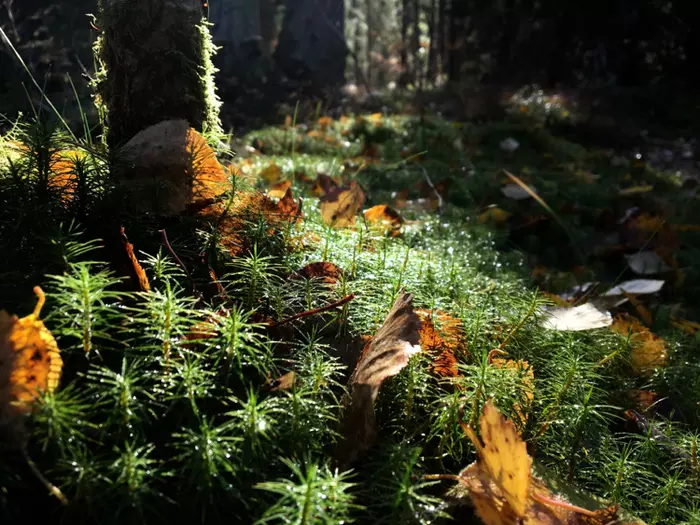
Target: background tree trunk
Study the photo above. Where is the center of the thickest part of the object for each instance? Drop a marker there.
(155, 64)
(312, 45)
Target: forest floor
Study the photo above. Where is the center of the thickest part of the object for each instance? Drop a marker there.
(559, 281)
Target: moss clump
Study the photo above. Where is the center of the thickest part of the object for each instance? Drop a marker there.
(155, 63)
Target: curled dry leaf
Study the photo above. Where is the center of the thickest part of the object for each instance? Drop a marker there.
(138, 272)
(30, 362)
(340, 205)
(325, 271)
(322, 185)
(648, 350)
(384, 219)
(384, 356)
(501, 485)
(443, 345)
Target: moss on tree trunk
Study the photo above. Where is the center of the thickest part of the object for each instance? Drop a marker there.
(154, 64)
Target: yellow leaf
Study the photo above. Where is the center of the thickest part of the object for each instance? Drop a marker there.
(272, 174)
(689, 327)
(30, 362)
(493, 215)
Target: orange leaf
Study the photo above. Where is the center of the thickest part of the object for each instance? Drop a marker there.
(385, 219)
(141, 276)
(443, 345)
(323, 185)
(30, 361)
(689, 327)
(648, 350)
(210, 180)
(279, 190)
(340, 205)
(325, 122)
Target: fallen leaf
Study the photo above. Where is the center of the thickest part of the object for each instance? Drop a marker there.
(636, 287)
(635, 190)
(689, 327)
(641, 310)
(279, 190)
(141, 277)
(284, 382)
(501, 485)
(384, 356)
(323, 185)
(340, 205)
(517, 192)
(493, 215)
(384, 219)
(509, 145)
(325, 271)
(209, 178)
(325, 122)
(648, 350)
(271, 174)
(30, 362)
(577, 318)
(444, 344)
(646, 263)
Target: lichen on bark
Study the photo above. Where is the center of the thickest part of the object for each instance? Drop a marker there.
(154, 63)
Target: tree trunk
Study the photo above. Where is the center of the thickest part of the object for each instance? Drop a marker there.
(432, 50)
(155, 64)
(267, 27)
(312, 43)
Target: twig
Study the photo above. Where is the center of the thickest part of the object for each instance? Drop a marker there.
(315, 311)
(432, 186)
(164, 236)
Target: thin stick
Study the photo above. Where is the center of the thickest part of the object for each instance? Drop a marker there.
(315, 311)
(164, 236)
(432, 186)
(53, 489)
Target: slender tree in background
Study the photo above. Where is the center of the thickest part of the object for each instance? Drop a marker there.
(155, 64)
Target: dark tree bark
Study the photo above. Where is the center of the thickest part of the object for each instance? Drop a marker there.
(155, 58)
(432, 50)
(267, 27)
(312, 45)
(456, 45)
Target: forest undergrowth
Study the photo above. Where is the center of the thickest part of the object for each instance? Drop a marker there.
(206, 359)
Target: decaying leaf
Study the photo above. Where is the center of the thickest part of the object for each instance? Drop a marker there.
(30, 362)
(572, 319)
(327, 272)
(646, 263)
(340, 205)
(648, 350)
(279, 190)
(384, 356)
(272, 174)
(443, 345)
(384, 219)
(689, 327)
(493, 215)
(636, 287)
(502, 488)
(322, 185)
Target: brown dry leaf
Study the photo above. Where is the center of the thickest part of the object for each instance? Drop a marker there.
(284, 382)
(384, 219)
(635, 190)
(648, 350)
(325, 271)
(384, 356)
(494, 215)
(322, 185)
(340, 205)
(272, 174)
(641, 310)
(279, 190)
(443, 345)
(30, 361)
(245, 207)
(502, 487)
(315, 134)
